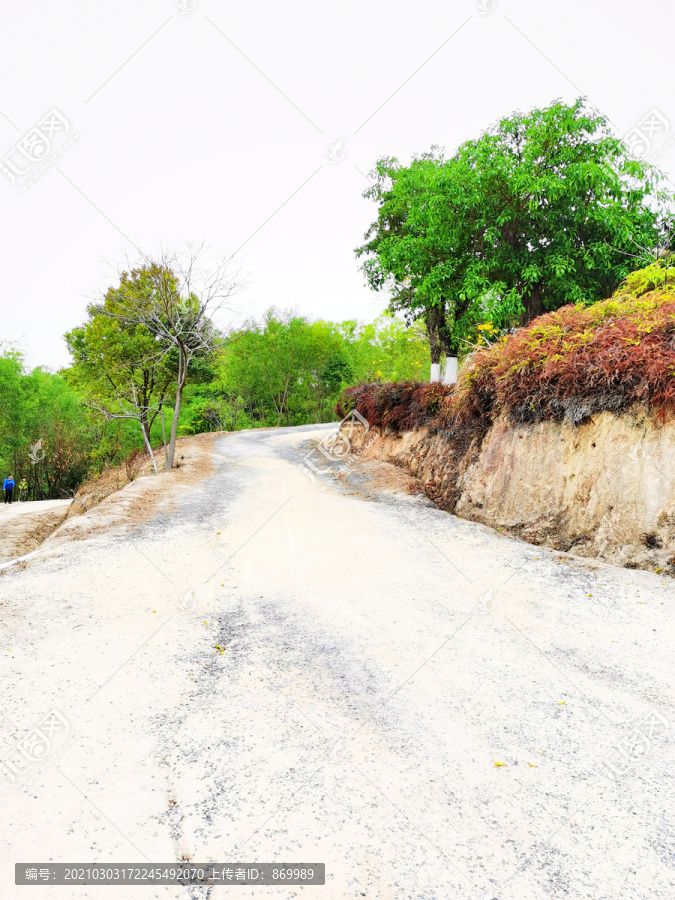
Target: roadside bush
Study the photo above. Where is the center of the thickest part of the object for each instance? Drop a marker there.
(580, 360)
(395, 406)
(570, 363)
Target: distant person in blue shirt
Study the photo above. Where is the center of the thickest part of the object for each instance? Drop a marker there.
(8, 485)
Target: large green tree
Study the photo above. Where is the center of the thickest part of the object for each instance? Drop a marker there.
(278, 368)
(544, 209)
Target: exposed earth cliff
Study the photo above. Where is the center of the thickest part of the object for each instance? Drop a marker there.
(605, 488)
(562, 434)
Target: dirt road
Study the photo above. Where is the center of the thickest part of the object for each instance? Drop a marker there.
(274, 669)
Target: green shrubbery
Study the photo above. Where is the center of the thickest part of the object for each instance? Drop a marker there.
(289, 370)
(46, 435)
(283, 370)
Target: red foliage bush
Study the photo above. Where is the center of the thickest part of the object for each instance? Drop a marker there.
(572, 362)
(400, 406)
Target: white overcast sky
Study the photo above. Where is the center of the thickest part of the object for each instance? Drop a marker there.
(213, 123)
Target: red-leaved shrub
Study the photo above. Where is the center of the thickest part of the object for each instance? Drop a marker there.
(572, 362)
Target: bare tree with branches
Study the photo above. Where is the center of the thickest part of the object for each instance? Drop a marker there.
(119, 369)
(130, 406)
(175, 297)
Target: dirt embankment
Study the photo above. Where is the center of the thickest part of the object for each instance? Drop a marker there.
(188, 458)
(127, 494)
(604, 488)
(25, 525)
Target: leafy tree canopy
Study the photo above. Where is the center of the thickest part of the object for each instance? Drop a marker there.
(118, 367)
(544, 209)
(288, 370)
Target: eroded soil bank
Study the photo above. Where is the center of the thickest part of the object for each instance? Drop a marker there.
(128, 494)
(24, 525)
(604, 488)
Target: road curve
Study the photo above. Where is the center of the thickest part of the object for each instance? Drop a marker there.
(276, 667)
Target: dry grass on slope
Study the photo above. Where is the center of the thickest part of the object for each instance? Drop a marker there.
(191, 464)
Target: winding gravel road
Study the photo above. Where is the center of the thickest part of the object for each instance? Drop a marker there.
(276, 669)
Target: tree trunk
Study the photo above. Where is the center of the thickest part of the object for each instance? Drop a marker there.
(450, 347)
(450, 370)
(174, 427)
(161, 410)
(284, 405)
(180, 384)
(434, 318)
(148, 446)
(534, 305)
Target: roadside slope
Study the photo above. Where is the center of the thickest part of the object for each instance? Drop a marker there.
(604, 488)
(24, 526)
(562, 433)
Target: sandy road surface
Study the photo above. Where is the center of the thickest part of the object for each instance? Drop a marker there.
(378, 659)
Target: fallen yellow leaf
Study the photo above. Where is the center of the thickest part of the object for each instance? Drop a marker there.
(532, 765)
(561, 703)
(500, 764)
